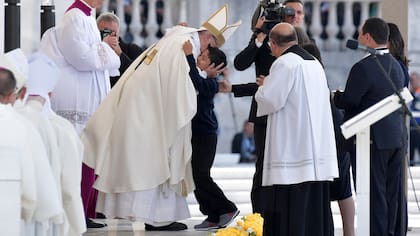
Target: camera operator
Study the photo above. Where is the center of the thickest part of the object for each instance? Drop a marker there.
(258, 52)
(109, 25)
(298, 17)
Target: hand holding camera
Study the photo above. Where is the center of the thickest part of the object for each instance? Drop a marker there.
(110, 37)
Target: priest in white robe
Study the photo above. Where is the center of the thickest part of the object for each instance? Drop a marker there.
(86, 63)
(43, 77)
(300, 155)
(41, 203)
(139, 139)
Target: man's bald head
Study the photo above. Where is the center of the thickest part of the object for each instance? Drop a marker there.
(282, 36)
(7, 85)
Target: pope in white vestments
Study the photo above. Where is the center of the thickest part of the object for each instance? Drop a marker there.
(139, 139)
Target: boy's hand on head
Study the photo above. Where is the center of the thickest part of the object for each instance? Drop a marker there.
(214, 71)
(187, 47)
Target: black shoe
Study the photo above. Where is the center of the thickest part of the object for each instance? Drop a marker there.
(92, 224)
(175, 226)
(100, 215)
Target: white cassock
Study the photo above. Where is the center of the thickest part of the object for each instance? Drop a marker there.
(14, 141)
(139, 139)
(85, 62)
(300, 142)
(40, 200)
(71, 155)
(32, 110)
(69, 146)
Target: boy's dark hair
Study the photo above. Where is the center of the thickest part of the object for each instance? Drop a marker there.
(377, 28)
(217, 56)
(7, 82)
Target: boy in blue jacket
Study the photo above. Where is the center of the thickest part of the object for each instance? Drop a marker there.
(219, 210)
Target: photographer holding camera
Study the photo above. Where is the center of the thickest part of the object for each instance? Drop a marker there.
(109, 26)
(267, 14)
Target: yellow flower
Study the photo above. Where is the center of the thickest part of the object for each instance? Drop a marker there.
(250, 225)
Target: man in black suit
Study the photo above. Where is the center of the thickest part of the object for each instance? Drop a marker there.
(367, 85)
(109, 26)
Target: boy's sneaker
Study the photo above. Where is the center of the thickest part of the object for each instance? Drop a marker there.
(206, 225)
(226, 219)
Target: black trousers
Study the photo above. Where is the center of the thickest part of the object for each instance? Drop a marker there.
(257, 199)
(385, 191)
(210, 197)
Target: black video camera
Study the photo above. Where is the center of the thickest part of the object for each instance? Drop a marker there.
(105, 32)
(274, 12)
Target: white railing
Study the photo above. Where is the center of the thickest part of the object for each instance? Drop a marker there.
(176, 11)
(194, 12)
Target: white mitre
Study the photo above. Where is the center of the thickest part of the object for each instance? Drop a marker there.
(217, 24)
(43, 75)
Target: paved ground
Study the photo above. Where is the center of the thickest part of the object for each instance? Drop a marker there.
(126, 228)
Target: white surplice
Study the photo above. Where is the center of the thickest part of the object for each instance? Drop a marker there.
(40, 200)
(15, 139)
(139, 139)
(85, 62)
(300, 142)
(71, 155)
(33, 111)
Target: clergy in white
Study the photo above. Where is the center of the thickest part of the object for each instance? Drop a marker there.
(43, 76)
(86, 63)
(40, 199)
(300, 155)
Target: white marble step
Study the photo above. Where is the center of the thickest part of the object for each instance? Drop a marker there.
(236, 181)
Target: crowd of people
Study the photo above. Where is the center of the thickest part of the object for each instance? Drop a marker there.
(136, 151)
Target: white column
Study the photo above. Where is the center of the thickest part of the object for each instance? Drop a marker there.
(365, 12)
(348, 27)
(120, 14)
(167, 19)
(151, 25)
(135, 25)
(105, 6)
(316, 27)
(183, 11)
(30, 25)
(332, 27)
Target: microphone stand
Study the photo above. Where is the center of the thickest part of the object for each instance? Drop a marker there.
(406, 111)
